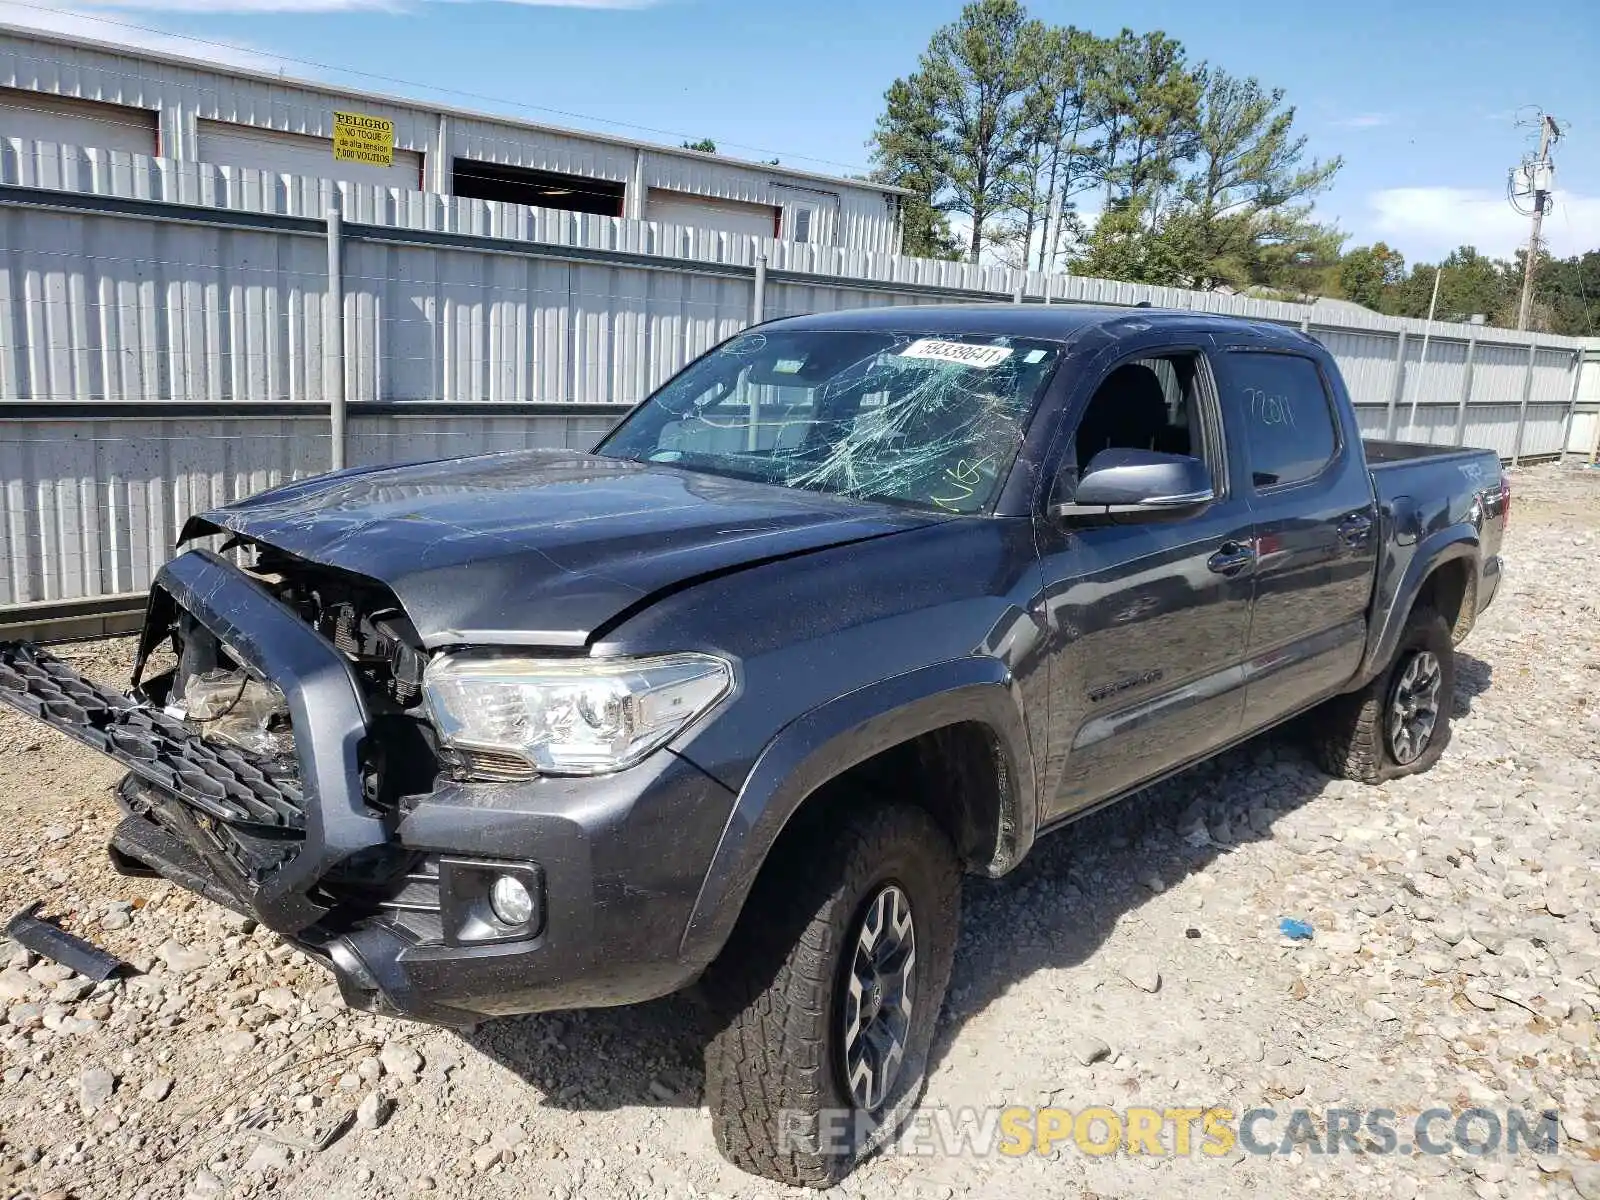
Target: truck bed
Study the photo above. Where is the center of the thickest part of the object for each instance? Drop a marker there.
(1424, 492)
(1382, 453)
(1436, 486)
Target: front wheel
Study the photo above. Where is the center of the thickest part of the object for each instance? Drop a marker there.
(1399, 724)
(829, 991)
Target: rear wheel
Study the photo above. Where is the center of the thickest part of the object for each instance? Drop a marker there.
(828, 993)
(1399, 724)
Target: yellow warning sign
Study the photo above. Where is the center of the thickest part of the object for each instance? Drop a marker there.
(363, 139)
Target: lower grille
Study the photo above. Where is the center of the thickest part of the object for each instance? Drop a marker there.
(409, 902)
(253, 857)
(216, 781)
(252, 854)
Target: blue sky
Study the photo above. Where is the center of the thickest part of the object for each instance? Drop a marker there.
(1420, 97)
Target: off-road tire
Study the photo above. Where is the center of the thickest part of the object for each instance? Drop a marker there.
(774, 1065)
(1348, 732)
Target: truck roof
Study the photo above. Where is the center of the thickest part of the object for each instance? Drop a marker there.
(1057, 322)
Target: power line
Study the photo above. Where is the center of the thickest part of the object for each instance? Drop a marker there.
(481, 97)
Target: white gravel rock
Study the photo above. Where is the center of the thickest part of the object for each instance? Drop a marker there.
(180, 959)
(50, 973)
(156, 1090)
(1141, 971)
(268, 1156)
(95, 1087)
(70, 991)
(485, 1157)
(17, 985)
(373, 1111)
(280, 1000)
(205, 1183)
(400, 1059)
(1379, 1011)
(1088, 1050)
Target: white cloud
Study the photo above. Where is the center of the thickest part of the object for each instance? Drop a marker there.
(74, 22)
(229, 6)
(1426, 223)
(47, 14)
(120, 21)
(1367, 120)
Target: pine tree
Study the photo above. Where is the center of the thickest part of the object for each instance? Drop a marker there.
(959, 122)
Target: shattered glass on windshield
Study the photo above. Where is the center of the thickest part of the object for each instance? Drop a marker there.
(926, 421)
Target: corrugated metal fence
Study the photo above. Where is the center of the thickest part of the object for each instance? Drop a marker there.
(1583, 438)
(168, 342)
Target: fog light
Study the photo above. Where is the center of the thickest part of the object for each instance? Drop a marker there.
(487, 902)
(511, 901)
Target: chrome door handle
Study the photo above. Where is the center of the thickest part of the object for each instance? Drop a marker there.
(1232, 558)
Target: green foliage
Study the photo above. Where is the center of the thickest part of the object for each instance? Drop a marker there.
(1129, 242)
(1199, 176)
(1145, 101)
(1566, 295)
(1367, 271)
(704, 146)
(957, 127)
(1013, 125)
(1471, 284)
(1249, 193)
(909, 156)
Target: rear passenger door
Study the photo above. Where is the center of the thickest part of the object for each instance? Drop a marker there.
(1315, 529)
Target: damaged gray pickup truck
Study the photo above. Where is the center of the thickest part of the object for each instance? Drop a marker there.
(853, 604)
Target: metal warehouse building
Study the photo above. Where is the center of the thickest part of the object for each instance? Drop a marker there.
(56, 89)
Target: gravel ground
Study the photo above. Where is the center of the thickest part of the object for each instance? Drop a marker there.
(1454, 963)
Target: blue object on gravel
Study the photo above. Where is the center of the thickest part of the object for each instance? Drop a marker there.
(1300, 931)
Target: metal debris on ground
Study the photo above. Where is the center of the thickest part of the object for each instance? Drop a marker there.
(33, 932)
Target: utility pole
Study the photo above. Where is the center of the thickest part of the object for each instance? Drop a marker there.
(1538, 174)
(1427, 330)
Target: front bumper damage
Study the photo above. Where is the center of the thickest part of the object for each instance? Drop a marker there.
(382, 896)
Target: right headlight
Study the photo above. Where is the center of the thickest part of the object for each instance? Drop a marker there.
(575, 716)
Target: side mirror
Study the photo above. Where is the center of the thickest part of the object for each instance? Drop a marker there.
(1138, 482)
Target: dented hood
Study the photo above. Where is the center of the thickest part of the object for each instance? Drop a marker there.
(540, 548)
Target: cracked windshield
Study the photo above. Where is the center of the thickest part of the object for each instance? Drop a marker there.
(906, 418)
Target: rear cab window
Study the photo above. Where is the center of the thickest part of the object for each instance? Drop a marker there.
(1291, 434)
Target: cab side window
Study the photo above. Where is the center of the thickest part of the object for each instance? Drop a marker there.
(1148, 404)
(1290, 432)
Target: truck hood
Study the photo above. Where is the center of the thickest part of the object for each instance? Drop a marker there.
(540, 548)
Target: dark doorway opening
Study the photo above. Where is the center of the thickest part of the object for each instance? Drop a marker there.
(541, 189)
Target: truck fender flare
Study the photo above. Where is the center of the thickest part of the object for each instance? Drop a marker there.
(837, 735)
(1390, 615)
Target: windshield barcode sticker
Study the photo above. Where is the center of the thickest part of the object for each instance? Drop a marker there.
(961, 353)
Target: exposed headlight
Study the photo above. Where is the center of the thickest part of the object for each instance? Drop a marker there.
(578, 716)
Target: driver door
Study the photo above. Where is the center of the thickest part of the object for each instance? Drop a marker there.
(1149, 616)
